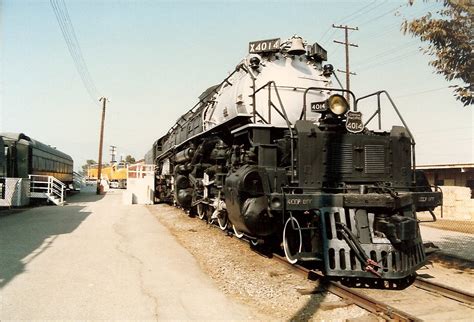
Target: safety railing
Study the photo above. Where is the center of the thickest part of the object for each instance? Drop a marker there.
(281, 112)
(48, 187)
(139, 171)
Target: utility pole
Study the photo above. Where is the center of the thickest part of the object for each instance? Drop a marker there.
(113, 148)
(101, 141)
(347, 44)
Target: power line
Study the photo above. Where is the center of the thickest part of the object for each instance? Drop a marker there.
(385, 53)
(422, 92)
(72, 47)
(69, 44)
(69, 35)
(406, 55)
(352, 16)
(393, 26)
(365, 15)
(346, 17)
(382, 15)
(83, 70)
(78, 48)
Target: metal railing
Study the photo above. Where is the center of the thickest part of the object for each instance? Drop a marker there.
(42, 186)
(139, 171)
(281, 112)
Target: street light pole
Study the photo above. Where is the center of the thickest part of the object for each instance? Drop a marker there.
(101, 141)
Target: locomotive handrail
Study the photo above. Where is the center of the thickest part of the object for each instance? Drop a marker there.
(303, 111)
(270, 103)
(282, 114)
(379, 112)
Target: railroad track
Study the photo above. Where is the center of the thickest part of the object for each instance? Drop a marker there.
(423, 300)
(379, 308)
(363, 298)
(372, 305)
(444, 290)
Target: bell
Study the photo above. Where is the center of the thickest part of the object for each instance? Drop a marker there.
(297, 47)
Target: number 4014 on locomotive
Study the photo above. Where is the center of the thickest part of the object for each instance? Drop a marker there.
(275, 152)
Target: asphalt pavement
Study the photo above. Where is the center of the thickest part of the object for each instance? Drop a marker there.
(98, 259)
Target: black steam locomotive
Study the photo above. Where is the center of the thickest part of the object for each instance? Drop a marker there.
(275, 152)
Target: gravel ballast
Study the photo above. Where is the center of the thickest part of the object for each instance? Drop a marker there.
(270, 288)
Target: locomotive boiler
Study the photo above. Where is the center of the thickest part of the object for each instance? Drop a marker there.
(276, 152)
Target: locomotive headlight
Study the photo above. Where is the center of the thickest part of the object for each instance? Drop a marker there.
(337, 104)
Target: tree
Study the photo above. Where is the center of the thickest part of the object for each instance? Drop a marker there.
(450, 36)
(129, 159)
(87, 165)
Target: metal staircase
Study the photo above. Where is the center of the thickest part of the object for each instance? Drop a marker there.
(47, 187)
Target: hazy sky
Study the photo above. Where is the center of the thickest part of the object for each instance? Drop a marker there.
(153, 59)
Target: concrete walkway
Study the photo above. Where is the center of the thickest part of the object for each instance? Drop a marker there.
(97, 259)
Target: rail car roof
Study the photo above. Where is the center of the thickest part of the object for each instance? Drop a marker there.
(34, 143)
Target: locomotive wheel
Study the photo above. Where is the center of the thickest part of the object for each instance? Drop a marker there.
(201, 210)
(222, 220)
(292, 240)
(237, 233)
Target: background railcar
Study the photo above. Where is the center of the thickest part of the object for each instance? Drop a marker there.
(24, 156)
(115, 173)
(3, 165)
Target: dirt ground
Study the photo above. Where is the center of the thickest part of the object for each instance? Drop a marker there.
(269, 288)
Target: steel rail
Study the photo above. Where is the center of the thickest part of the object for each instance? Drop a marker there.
(444, 290)
(368, 303)
(380, 309)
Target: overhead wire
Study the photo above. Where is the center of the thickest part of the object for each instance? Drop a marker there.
(371, 20)
(72, 48)
(393, 26)
(403, 56)
(332, 47)
(422, 92)
(78, 48)
(75, 54)
(351, 17)
(388, 54)
(69, 35)
(348, 16)
(368, 11)
(369, 64)
(78, 53)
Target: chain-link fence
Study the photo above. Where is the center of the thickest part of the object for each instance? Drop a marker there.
(14, 192)
(453, 231)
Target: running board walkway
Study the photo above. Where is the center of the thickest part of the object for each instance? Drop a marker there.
(47, 187)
